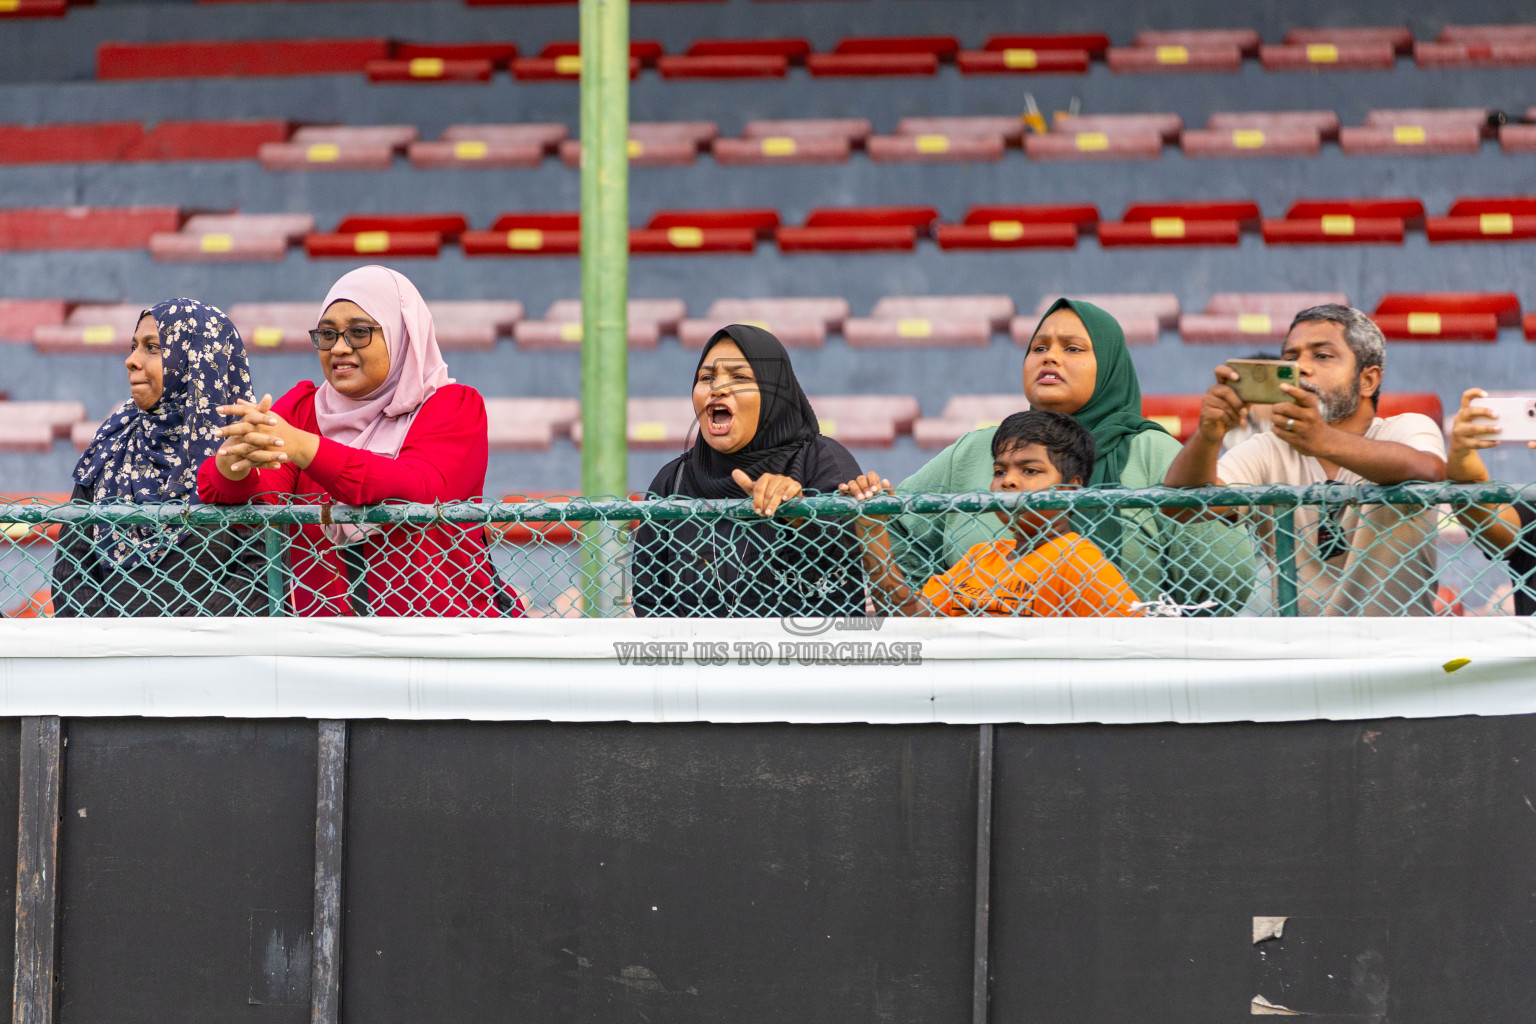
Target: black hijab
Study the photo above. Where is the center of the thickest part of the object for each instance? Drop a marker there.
(787, 428)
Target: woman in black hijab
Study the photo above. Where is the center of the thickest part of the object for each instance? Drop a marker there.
(758, 436)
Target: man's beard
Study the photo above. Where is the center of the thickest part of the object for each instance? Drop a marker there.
(1338, 404)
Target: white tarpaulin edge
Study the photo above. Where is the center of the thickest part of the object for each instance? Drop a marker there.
(1042, 671)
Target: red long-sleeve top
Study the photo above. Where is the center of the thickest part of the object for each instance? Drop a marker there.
(412, 570)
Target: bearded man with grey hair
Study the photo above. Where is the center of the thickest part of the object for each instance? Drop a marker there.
(1351, 559)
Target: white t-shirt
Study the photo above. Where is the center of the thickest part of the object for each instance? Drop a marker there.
(1381, 558)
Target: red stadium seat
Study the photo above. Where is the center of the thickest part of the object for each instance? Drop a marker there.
(276, 326)
(1173, 58)
(1177, 414)
(1514, 53)
(934, 148)
(1431, 326)
(1400, 37)
(761, 221)
(1324, 122)
(1425, 403)
(1017, 227)
(1367, 55)
(865, 421)
(1245, 39)
(499, 54)
(735, 58)
(646, 51)
(526, 234)
(1092, 43)
(963, 414)
(1530, 327)
(1487, 219)
(68, 143)
(421, 70)
(84, 227)
(1023, 60)
(449, 225)
(1344, 222)
(1517, 138)
(798, 323)
(529, 424)
(942, 47)
(19, 318)
(792, 49)
(207, 140)
(219, 238)
(1252, 142)
(853, 229)
(861, 65)
(35, 9)
(563, 68)
(666, 424)
(380, 244)
(474, 324)
(1503, 306)
(1180, 223)
(1250, 316)
(237, 58)
(91, 328)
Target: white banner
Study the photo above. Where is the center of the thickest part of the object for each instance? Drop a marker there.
(1041, 671)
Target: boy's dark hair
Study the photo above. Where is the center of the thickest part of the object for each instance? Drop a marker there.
(1067, 443)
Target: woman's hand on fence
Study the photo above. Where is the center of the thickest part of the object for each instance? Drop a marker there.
(246, 440)
(768, 491)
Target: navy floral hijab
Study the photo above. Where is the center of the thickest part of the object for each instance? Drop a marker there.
(147, 456)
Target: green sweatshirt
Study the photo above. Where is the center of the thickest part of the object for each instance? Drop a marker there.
(1189, 562)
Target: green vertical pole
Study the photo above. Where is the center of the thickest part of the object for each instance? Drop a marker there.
(1285, 560)
(604, 281)
(277, 588)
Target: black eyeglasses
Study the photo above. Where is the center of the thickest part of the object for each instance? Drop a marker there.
(357, 336)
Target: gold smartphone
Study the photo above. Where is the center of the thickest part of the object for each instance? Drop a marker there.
(1258, 380)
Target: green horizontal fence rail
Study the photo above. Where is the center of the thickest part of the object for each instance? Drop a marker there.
(1208, 551)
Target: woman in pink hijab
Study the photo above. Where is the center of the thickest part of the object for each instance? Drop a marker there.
(388, 424)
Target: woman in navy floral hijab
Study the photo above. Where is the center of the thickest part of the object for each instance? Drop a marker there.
(186, 359)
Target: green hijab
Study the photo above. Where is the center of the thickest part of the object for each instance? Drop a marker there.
(1113, 414)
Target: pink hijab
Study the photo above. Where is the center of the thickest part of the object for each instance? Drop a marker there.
(379, 422)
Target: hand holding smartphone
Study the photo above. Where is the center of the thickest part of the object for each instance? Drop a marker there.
(1516, 416)
(1258, 380)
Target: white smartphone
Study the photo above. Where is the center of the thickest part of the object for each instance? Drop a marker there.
(1516, 416)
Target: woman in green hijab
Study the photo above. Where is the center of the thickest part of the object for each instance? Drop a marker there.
(1077, 364)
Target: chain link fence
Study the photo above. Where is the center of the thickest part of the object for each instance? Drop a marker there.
(1271, 551)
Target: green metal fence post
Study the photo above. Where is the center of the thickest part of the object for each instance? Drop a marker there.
(1285, 559)
(276, 586)
(604, 282)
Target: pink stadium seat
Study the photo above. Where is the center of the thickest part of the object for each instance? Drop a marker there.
(1072, 143)
(1339, 55)
(1009, 128)
(1485, 219)
(529, 424)
(993, 310)
(207, 140)
(1441, 117)
(963, 414)
(1410, 140)
(1167, 126)
(237, 58)
(1250, 316)
(1518, 138)
(865, 421)
(1511, 53)
(1344, 222)
(1252, 142)
(33, 426)
(338, 147)
(1486, 33)
(84, 227)
(235, 237)
(656, 143)
(1399, 36)
(68, 143)
(935, 148)
(474, 153)
(930, 322)
(19, 318)
(422, 70)
(276, 326)
(853, 130)
(1180, 223)
(82, 434)
(546, 135)
(1174, 58)
(781, 149)
(1141, 316)
(663, 424)
(474, 324)
(798, 323)
(1245, 39)
(91, 328)
(1324, 122)
(561, 328)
